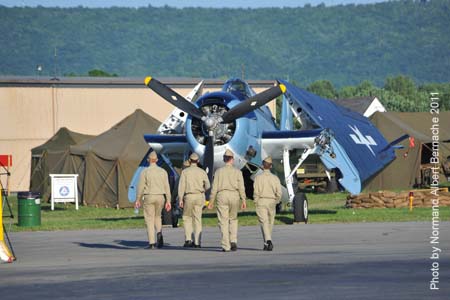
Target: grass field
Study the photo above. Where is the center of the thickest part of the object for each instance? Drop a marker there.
(323, 208)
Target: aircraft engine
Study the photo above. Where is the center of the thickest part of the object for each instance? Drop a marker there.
(223, 132)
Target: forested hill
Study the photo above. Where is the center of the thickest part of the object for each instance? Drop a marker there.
(342, 44)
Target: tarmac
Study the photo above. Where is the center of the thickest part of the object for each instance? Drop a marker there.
(314, 261)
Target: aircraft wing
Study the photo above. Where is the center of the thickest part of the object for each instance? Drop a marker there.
(350, 142)
(274, 142)
(173, 145)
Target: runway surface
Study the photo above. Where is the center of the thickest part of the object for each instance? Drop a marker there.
(324, 261)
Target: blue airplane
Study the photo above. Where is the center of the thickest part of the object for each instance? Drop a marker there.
(237, 118)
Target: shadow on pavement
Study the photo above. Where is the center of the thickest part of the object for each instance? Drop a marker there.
(140, 245)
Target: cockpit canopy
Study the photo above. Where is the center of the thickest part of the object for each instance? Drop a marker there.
(238, 88)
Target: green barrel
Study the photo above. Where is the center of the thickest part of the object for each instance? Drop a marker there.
(29, 209)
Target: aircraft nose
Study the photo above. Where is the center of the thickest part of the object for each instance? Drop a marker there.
(210, 122)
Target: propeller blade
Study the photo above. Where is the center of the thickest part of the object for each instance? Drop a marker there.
(173, 97)
(208, 161)
(253, 103)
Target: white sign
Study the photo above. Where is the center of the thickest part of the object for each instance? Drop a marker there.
(64, 189)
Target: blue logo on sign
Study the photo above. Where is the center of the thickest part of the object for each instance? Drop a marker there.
(64, 191)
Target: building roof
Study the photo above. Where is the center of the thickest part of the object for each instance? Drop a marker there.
(118, 81)
(359, 105)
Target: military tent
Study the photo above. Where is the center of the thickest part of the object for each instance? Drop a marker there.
(48, 158)
(106, 163)
(405, 171)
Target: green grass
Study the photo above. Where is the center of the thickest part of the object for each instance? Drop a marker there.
(323, 208)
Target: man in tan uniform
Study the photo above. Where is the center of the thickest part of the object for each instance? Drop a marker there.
(191, 192)
(154, 188)
(267, 193)
(228, 188)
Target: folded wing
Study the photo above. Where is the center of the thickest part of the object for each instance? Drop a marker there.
(347, 141)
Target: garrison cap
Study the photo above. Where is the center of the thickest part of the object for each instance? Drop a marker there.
(153, 155)
(228, 152)
(194, 156)
(268, 159)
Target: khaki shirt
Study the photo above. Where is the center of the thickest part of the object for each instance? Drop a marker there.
(267, 186)
(153, 181)
(228, 178)
(193, 180)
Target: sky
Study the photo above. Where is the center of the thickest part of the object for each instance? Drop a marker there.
(182, 3)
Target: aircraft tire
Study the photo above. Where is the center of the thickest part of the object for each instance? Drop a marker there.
(166, 217)
(300, 208)
(278, 208)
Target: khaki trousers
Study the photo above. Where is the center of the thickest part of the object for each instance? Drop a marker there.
(265, 209)
(227, 211)
(192, 216)
(153, 205)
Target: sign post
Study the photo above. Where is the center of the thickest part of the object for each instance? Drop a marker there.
(64, 189)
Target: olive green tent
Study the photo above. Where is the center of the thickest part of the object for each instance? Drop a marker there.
(405, 171)
(48, 158)
(106, 163)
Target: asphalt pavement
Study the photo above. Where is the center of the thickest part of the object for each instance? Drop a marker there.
(323, 261)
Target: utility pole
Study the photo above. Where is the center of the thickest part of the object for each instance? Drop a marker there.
(55, 66)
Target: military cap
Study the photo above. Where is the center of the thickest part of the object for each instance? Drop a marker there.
(228, 152)
(268, 159)
(194, 156)
(153, 155)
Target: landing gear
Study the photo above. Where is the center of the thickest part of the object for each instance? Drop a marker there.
(332, 185)
(300, 208)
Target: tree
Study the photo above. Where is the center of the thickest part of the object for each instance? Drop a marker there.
(100, 73)
(402, 85)
(323, 88)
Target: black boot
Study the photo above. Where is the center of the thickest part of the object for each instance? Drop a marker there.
(233, 247)
(160, 240)
(269, 246)
(187, 244)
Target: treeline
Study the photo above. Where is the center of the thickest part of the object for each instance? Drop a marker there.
(343, 44)
(399, 93)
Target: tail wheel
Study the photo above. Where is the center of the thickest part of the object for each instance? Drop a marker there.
(300, 208)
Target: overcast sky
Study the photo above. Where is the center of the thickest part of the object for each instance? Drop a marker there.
(182, 3)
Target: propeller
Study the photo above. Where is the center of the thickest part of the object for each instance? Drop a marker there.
(173, 97)
(212, 122)
(253, 103)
